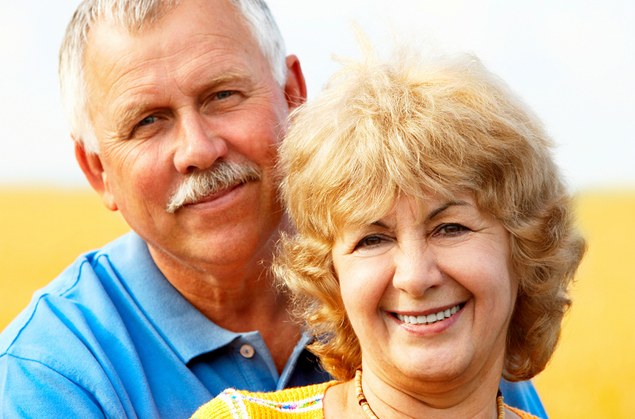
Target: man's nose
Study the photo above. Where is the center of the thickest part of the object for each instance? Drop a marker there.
(417, 270)
(198, 146)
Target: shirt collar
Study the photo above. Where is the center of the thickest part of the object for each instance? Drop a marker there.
(183, 327)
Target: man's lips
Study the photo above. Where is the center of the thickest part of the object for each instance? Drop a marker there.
(215, 195)
(431, 318)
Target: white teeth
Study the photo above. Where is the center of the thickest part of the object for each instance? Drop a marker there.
(430, 318)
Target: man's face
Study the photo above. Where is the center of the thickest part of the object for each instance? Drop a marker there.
(182, 95)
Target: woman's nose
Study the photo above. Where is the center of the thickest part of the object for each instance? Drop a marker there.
(416, 269)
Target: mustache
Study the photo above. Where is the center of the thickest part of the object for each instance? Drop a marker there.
(198, 185)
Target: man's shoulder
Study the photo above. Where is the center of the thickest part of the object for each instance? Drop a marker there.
(99, 342)
(68, 349)
(59, 308)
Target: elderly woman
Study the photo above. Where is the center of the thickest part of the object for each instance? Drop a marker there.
(434, 244)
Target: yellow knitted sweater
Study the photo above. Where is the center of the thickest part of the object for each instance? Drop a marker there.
(293, 403)
(296, 403)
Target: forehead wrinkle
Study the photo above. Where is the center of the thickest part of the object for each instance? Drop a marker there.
(131, 99)
(120, 90)
(111, 57)
(201, 44)
(135, 72)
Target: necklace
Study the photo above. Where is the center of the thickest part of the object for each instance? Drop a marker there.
(368, 412)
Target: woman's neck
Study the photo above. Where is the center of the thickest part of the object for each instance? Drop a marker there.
(387, 402)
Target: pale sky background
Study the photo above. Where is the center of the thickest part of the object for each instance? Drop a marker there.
(573, 61)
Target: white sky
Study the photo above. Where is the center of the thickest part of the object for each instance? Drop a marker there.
(572, 60)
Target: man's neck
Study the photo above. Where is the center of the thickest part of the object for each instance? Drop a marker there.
(241, 299)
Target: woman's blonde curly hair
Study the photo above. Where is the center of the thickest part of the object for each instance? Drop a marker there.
(407, 126)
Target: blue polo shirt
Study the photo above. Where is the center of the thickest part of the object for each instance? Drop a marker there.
(111, 338)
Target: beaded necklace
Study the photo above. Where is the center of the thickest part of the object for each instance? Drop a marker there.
(368, 412)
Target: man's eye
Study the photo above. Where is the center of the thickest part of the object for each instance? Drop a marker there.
(224, 94)
(147, 121)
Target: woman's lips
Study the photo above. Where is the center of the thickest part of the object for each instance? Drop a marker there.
(429, 318)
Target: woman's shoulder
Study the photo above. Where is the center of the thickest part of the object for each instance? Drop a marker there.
(300, 402)
(521, 413)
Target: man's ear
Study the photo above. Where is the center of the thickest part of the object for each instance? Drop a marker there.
(95, 174)
(295, 86)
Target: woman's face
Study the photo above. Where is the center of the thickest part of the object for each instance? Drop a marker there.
(430, 297)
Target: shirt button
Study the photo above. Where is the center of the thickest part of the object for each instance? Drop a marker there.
(247, 351)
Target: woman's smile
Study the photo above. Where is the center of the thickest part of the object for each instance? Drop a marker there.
(425, 319)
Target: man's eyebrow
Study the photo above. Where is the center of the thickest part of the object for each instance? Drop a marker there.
(128, 116)
(228, 77)
(234, 79)
(444, 207)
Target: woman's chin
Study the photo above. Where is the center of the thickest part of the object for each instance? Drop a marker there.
(437, 374)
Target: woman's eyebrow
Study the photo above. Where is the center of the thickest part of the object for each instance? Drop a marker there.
(379, 224)
(444, 207)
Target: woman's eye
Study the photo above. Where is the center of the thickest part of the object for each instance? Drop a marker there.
(224, 94)
(370, 241)
(451, 229)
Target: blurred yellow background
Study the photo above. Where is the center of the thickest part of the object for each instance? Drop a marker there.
(591, 376)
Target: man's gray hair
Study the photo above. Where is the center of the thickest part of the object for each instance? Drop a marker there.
(133, 15)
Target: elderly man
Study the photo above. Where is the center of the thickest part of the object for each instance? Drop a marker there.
(176, 108)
